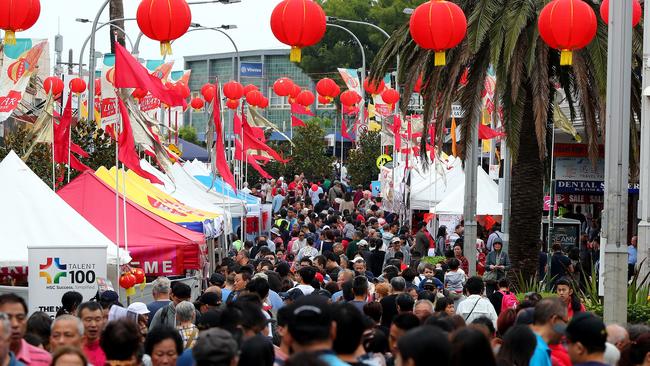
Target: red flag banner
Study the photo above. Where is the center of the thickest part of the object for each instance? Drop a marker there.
(299, 109)
(486, 133)
(297, 122)
(236, 125)
(344, 130)
(62, 141)
(220, 150)
(252, 143)
(253, 163)
(126, 142)
(129, 73)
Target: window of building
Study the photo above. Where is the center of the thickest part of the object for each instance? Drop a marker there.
(276, 101)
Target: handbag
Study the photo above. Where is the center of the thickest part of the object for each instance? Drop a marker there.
(493, 275)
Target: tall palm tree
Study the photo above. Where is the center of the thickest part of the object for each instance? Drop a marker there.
(116, 11)
(504, 33)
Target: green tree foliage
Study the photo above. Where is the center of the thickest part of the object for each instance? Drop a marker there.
(362, 163)
(188, 133)
(338, 49)
(99, 145)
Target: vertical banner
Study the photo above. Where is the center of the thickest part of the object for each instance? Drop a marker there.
(351, 79)
(55, 270)
(109, 112)
(19, 64)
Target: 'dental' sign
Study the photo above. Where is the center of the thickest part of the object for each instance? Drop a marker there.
(55, 270)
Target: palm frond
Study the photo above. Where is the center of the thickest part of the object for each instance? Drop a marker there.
(517, 17)
(589, 102)
(480, 22)
(539, 81)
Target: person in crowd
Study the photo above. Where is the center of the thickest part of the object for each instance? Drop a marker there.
(497, 265)
(517, 348)
(256, 351)
(503, 298)
(91, 315)
(185, 318)
(631, 257)
(15, 309)
(416, 347)
(389, 303)
(360, 290)
(121, 342)
(401, 324)
(167, 315)
(423, 309)
(445, 305)
(495, 234)
(67, 331)
(549, 322)
(142, 313)
(586, 337)
(39, 326)
(69, 303)
(68, 356)
(454, 280)
(637, 353)
(618, 336)
(216, 347)
(422, 243)
(160, 290)
(470, 346)
(458, 254)
(560, 264)
(566, 293)
(475, 305)
(163, 345)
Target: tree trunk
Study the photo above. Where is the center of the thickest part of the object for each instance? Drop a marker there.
(116, 11)
(526, 197)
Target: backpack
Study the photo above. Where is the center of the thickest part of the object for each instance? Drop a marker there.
(509, 301)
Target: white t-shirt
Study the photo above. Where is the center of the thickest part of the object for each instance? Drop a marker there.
(476, 306)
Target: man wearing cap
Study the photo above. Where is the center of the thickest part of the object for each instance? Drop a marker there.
(312, 329)
(549, 323)
(215, 347)
(397, 245)
(208, 301)
(142, 313)
(586, 337)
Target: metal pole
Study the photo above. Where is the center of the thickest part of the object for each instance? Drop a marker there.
(469, 206)
(505, 218)
(643, 249)
(619, 66)
(551, 190)
(363, 69)
(91, 68)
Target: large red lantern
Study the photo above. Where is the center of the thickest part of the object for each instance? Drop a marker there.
(283, 86)
(264, 103)
(295, 90)
(127, 280)
(164, 21)
(233, 90)
(18, 15)
(324, 100)
(208, 91)
(374, 87)
(232, 103)
(567, 25)
(350, 98)
(53, 85)
(438, 25)
(327, 88)
(197, 103)
(250, 87)
(636, 12)
(139, 275)
(305, 98)
(390, 96)
(298, 23)
(77, 85)
(254, 98)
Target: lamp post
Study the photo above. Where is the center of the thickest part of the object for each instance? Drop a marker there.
(363, 66)
(91, 63)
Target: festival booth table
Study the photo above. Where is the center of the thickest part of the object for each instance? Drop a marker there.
(142, 192)
(33, 215)
(159, 246)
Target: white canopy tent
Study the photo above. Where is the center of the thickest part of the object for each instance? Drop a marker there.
(430, 187)
(487, 197)
(33, 215)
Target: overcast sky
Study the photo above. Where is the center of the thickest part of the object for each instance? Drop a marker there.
(251, 17)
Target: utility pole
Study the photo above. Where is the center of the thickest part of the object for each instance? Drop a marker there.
(469, 206)
(643, 249)
(619, 66)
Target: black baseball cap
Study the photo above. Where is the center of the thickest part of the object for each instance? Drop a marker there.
(291, 295)
(311, 319)
(587, 329)
(209, 298)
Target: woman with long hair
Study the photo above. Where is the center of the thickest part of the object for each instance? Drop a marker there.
(441, 240)
(518, 347)
(566, 292)
(637, 353)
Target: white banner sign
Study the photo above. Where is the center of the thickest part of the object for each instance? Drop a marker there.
(54, 271)
(579, 169)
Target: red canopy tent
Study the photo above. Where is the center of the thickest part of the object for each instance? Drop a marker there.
(159, 246)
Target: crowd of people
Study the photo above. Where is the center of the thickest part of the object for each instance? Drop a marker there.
(337, 282)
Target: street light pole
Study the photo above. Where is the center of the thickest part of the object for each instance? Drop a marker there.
(92, 62)
(619, 60)
(643, 249)
(363, 67)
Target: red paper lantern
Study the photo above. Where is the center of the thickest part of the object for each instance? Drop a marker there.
(254, 98)
(250, 87)
(298, 23)
(283, 86)
(164, 21)
(232, 103)
(197, 103)
(53, 85)
(233, 90)
(349, 98)
(139, 275)
(324, 100)
(567, 25)
(264, 103)
(77, 85)
(374, 87)
(127, 280)
(16, 16)
(328, 88)
(208, 91)
(98, 86)
(438, 26)
(390, 96)
(305, 98)
(139, 93)
(636, 12)
(295, 91)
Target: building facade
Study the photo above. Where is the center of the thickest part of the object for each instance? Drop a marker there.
(260, 68)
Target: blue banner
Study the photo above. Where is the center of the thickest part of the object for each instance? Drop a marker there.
(251, 69)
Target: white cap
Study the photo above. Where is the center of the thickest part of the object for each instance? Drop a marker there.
(138, 308)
